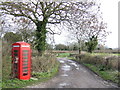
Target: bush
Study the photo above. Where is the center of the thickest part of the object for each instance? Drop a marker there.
(104, 66)
(43, 63)
(109, 62)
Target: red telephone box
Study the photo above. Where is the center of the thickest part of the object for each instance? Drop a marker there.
(21, 60)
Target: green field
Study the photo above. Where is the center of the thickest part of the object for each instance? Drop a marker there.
(106, 54)
(63, 54)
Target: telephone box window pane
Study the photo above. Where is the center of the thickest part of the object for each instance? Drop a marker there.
(25, 54)
(25, 61)
(15, 50)
(15, 70)
(15, 67)
(25, 64)
(16, 54)
(25, 57)
(25, 50)
(25, 67)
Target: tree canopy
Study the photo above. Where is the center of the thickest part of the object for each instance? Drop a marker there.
(83, 19)
(86, 21)
(40, 13)
(12, 37)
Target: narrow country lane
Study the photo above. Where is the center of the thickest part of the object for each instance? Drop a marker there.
(74, 75)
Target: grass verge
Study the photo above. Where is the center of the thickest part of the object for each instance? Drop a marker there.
(109, 75)
(94, 62)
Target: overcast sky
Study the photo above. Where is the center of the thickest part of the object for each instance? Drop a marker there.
(110, 16)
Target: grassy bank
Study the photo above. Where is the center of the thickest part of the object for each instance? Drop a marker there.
(107, 61)
(105, 65)
(109, 75)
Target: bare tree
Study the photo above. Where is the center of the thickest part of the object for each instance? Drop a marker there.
(25, 28)
(86, 22)
(40, 13)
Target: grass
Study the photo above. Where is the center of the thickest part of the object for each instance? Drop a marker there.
(105, 54)
(110, 75)
(63, 54)
(42, 76)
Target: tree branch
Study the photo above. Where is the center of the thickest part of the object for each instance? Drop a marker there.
(52, 32)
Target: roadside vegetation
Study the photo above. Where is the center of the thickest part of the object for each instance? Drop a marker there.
(106, 74)
(103, 64)
(43, 68)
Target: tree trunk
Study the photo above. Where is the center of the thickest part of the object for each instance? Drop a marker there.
(41, 36)
(79, 46)
(79, 51)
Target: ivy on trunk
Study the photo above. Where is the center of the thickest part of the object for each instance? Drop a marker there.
(41, 36)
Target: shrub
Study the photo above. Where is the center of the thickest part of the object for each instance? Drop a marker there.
(43, 63)
(107, 62)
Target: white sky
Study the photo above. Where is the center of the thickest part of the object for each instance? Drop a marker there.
(110, 16)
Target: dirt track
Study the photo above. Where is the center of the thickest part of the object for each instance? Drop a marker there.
(74, 75)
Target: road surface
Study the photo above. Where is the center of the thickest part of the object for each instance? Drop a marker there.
(74, 75)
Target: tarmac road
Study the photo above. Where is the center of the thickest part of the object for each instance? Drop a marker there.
(74, 75)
